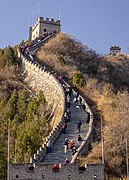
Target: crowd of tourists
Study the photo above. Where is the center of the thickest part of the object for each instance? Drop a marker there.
(77, 100)
(24, 49)
(70, 144)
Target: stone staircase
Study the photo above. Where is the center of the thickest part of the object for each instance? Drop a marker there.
(57, 155)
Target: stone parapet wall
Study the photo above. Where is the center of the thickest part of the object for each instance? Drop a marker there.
(38, 79)
(65, 172)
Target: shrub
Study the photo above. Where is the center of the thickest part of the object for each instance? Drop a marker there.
(61, 60)
(122, 56)
(92, 69)
(78, 80)
(110, 67)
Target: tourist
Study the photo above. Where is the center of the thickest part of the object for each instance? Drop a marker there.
(55, 167)
(68, 115)
(68, 104)
(79, 100)
(60, 79)
(79, 123)
(88, 117)
(72, 144)
(66, 118)
(48, 146)
(83, 107)
(75, 100)
(68, 98)
(66, 161)
(69, 91)
(79, 140)
(73, 151)
(66, 142)
(64, 126)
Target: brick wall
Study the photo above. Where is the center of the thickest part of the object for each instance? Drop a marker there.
(38, 79)
(66, 172)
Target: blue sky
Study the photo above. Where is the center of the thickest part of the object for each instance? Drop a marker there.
(96, 23)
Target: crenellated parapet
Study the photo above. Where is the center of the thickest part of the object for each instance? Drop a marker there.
(39, 79)
(44, 25)
(45, 20)
(65, 172)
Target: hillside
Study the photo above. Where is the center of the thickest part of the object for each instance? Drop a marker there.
(27, 113)
(104, 82)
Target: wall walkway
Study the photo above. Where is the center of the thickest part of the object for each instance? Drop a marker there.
(41, 80)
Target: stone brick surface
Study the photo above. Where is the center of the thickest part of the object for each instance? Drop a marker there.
(66, 172)
(38, 80)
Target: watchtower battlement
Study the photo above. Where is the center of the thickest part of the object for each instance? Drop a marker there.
(65, 172)
(43, 25)
(114, 50)
(46, 20)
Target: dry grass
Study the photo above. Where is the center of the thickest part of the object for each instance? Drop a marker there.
(63, 46)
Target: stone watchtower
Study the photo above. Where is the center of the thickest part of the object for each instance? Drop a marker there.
(114, 50)
(42, 26)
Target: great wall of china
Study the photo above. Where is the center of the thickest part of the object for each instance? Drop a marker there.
(40, 79)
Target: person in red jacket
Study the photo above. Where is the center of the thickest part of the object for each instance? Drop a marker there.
(64, 126)
(72, 144)
(55, 167)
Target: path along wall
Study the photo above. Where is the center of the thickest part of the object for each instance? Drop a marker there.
(86, 143)
(84, 147)
(53, 91)
(37, 44)
(38, 79)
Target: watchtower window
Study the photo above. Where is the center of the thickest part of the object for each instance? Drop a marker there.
(43, 176)
(69, 177)
(17, 176)
(31, 168)
(45, 30)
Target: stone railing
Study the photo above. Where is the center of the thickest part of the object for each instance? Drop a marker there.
(39, 79)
